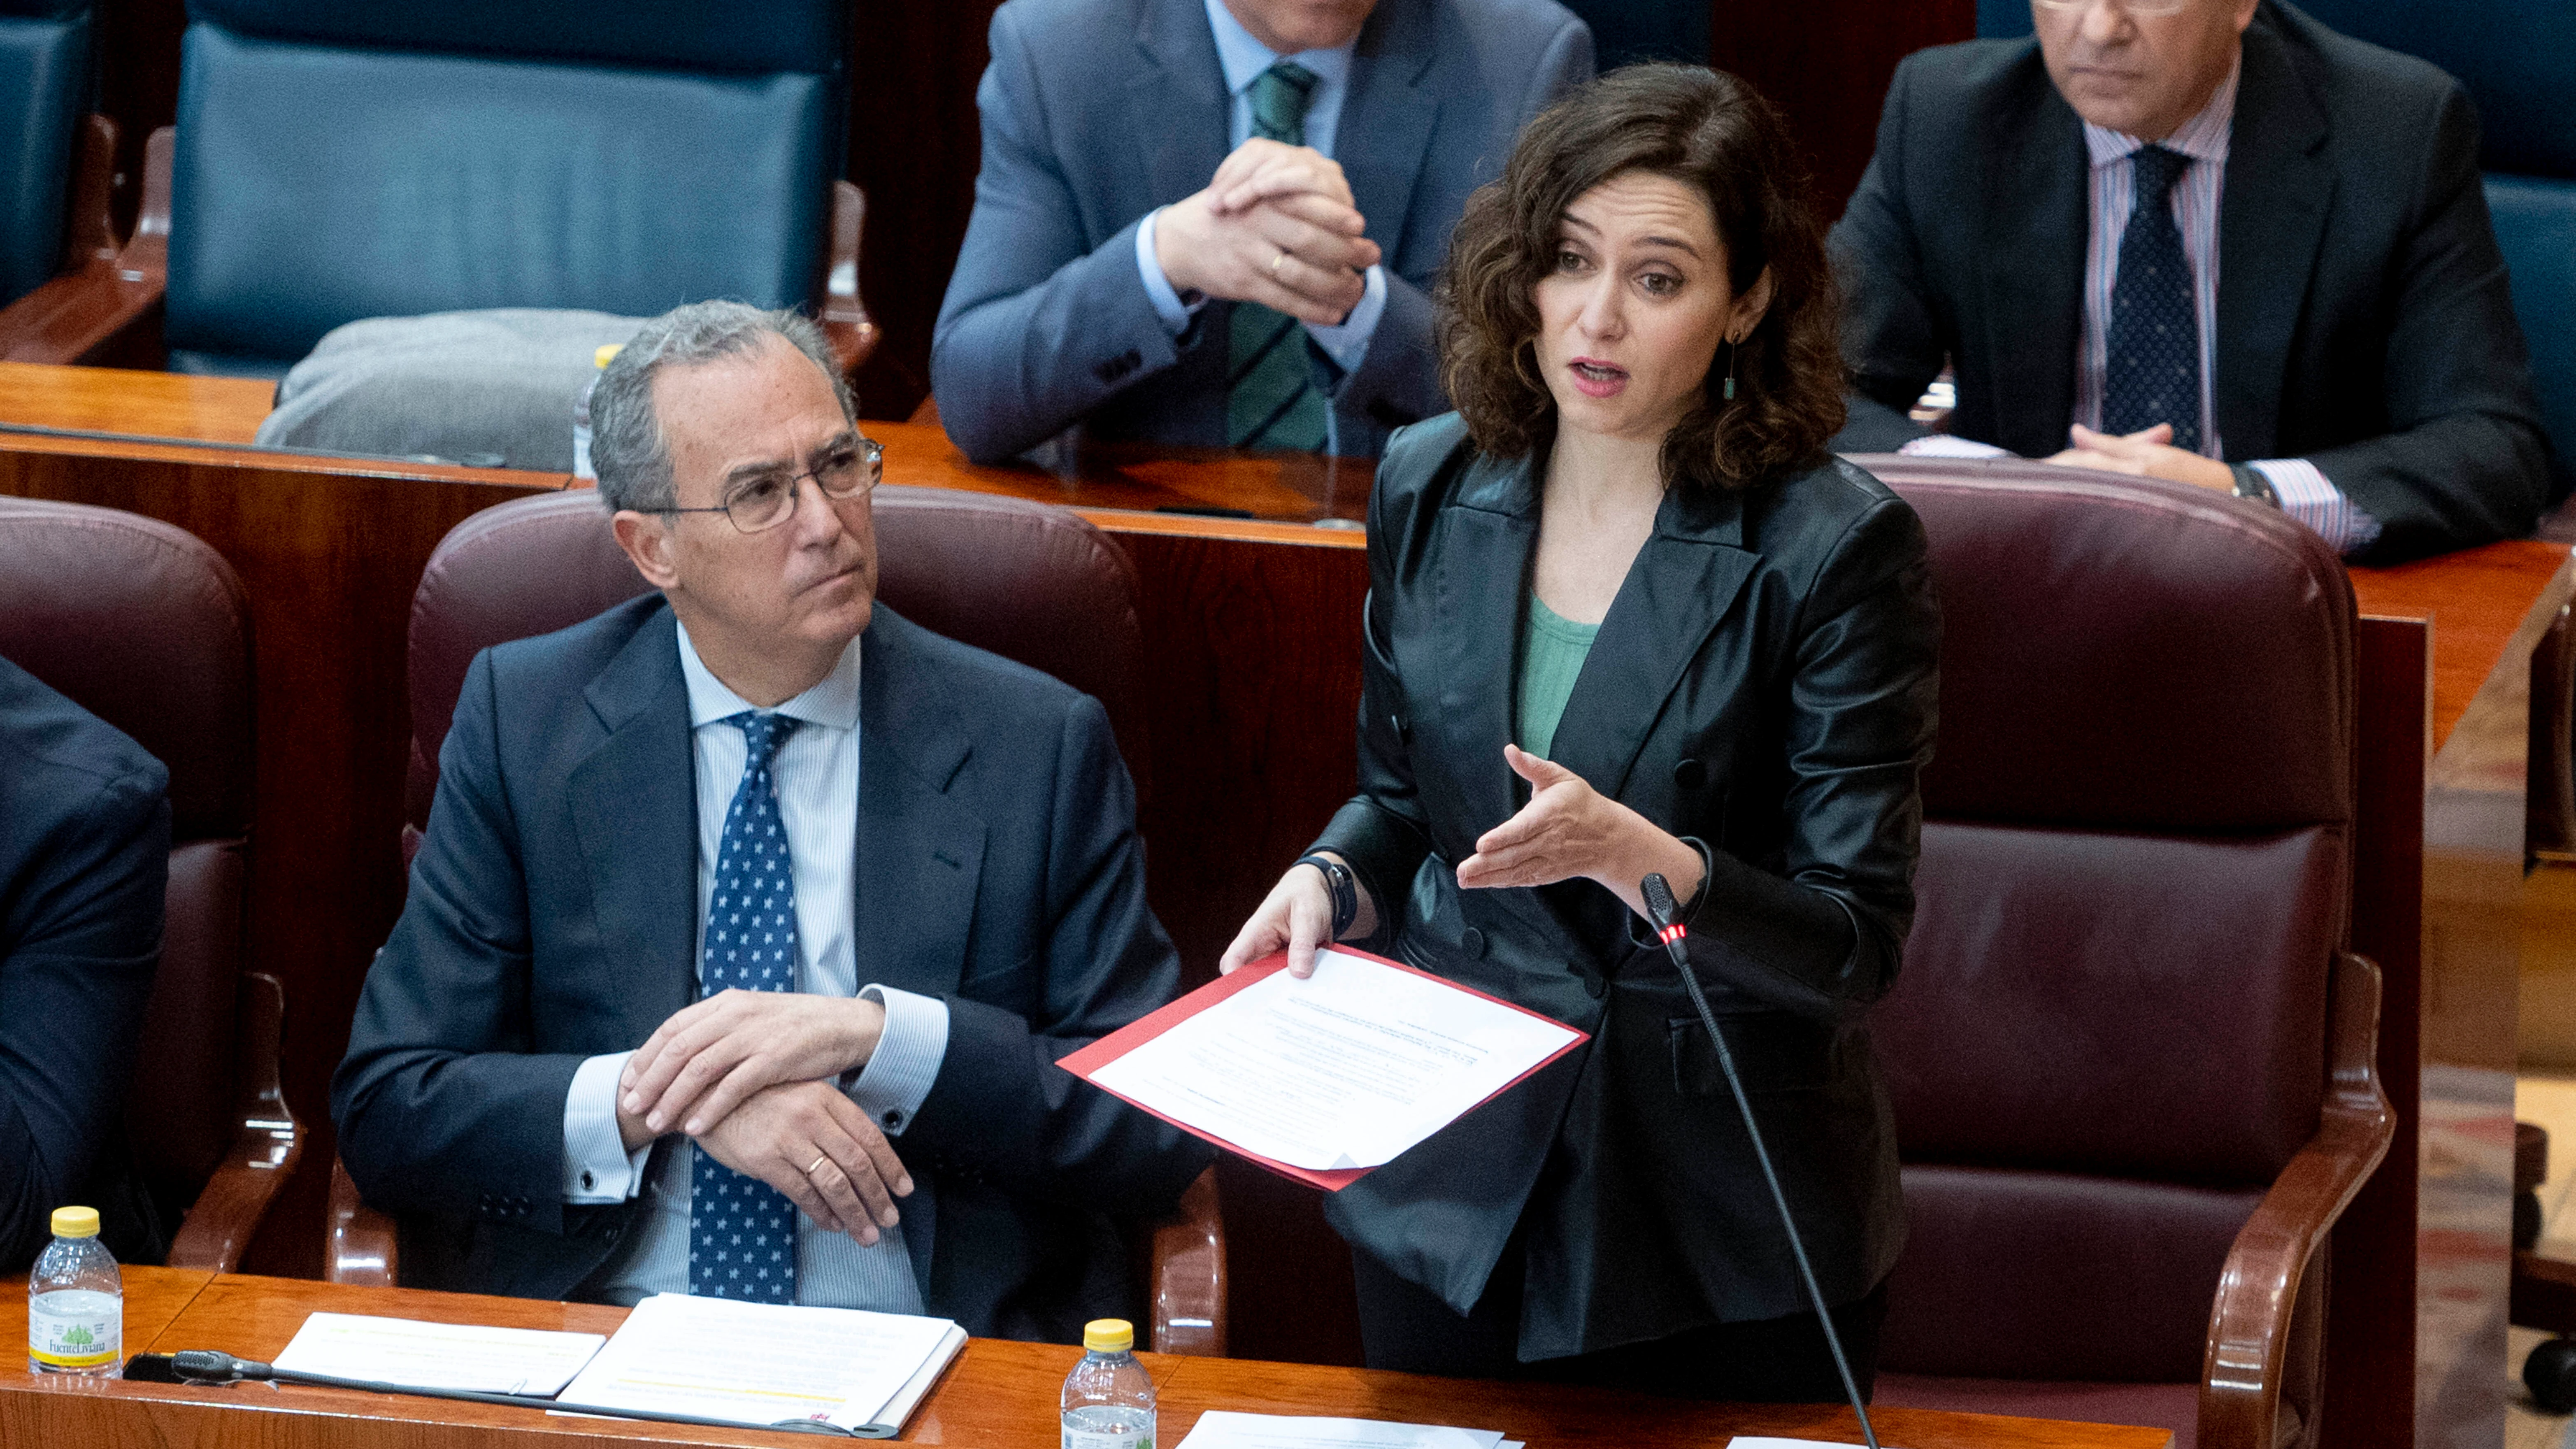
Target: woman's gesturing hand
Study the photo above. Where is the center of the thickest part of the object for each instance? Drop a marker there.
(1298, 914)
(1569, 829)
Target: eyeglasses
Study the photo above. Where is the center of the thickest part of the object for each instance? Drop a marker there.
(849, 468)
(2134, 9)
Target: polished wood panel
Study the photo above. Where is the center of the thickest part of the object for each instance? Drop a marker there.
(117, 400)
(2487, 610)
(996, 1393)
(153, 1298)
(2370, 1325)
(2480, 604)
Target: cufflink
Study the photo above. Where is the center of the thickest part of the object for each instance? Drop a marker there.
(893, 1118)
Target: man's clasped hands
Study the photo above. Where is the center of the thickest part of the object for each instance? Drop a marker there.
(752, 1077)
(1276, 225)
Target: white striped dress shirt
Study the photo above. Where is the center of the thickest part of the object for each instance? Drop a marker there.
(2306, 493)
(816, 772)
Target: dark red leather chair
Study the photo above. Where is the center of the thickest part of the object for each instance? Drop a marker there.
(1032, 583)
(2131, 1058)
(144, 626)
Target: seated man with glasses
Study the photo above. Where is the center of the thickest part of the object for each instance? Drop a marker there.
(2206, 240)
(752, 918)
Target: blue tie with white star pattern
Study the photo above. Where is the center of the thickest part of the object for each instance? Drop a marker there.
(742, 1231)
(2154, 363)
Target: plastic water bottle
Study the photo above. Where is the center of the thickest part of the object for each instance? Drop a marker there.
(76, 1302)
(1108, 1399)
(581, 465)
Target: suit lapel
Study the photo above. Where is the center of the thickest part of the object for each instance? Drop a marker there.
(2271, 218)
(920, 854)
(1385, 129)
(2034, 265)
(1684, 581)
(634, 813)
(1476, 610)
(1180, 100)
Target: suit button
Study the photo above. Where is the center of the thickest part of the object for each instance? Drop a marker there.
(1597, 985)
(1690, 774)
(1403, 729)
(1474, 941)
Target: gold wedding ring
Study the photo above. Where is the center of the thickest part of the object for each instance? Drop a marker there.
(1275, 261)
(818, 1163)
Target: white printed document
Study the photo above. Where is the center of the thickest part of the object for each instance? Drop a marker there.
(420, 1355)
(1325, 1077)
(765, 1363)
(1220, 1429)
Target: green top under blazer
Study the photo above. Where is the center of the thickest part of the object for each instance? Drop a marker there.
(1766, 682)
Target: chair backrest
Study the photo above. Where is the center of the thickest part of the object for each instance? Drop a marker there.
(44, 88)
(2109, 1034)
(340, 159)
(145, 626)
(1029, 582)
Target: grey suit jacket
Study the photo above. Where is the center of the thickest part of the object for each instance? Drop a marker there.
(552, 918)
(2364, 322)
(1096, 112)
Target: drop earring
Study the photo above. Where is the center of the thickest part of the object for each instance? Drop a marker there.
(1731, 346)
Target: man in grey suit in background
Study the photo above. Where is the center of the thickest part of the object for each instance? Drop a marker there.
(1217, 222)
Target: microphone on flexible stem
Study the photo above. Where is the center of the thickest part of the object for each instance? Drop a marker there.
(1670, 930)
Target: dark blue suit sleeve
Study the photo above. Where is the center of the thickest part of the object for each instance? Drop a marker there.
(80, 939)
(1001, 1108)
(440, 1103)
(1892, 339)
(2463, 461)
(1037, 329)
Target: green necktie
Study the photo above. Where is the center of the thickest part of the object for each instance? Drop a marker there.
(1271, 400)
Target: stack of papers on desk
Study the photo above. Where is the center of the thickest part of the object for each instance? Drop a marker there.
(1218, 1429)
(420, 1355)
(1325, 1078)
(763, 1363)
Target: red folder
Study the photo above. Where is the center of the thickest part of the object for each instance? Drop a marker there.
(1144, 1029)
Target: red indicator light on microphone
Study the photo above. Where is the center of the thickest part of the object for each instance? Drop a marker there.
(1672, 933)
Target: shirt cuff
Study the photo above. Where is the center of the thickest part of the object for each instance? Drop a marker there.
(1942, 445)
(2310, 497)
(901, 1071)
(1347, 341)
(1158, 288)
(597, 1167)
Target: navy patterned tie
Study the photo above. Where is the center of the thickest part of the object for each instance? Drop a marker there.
(1271, 400)
(742, 1231)
(2154, 365)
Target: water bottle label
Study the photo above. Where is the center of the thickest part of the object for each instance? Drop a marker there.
(76, 1339)
(1128, 1439)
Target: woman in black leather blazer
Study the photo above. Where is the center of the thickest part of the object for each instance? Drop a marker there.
(1639, 330)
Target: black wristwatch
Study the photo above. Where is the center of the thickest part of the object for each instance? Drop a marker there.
(2250, 483)
(1344, 886)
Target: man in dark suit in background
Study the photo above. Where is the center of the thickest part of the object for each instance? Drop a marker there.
(749, 911)
(1217, 222)
(2206, 240)
(84, 864)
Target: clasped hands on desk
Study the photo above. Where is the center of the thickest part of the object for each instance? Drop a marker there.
(997, 1392)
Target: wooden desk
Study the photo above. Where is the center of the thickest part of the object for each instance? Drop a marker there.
(997, 1393)
(2437, 901)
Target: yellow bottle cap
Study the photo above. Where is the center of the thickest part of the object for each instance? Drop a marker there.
(81, 1222)
(1108, 1335)
(606, 351)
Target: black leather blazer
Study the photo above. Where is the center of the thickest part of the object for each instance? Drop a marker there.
(1765, 681)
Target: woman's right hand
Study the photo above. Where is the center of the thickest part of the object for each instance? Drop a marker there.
(1297, 914)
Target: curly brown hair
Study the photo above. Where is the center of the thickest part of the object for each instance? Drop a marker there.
(1709, 131)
